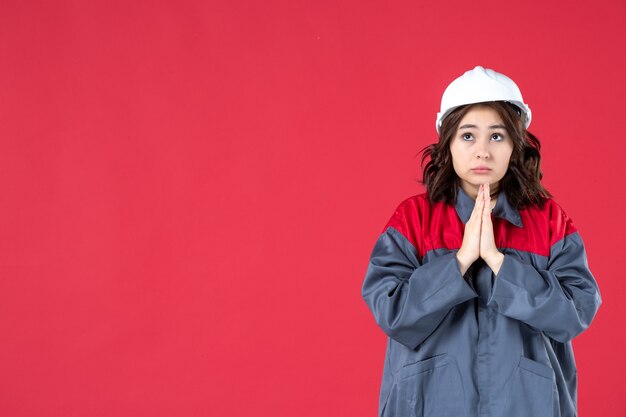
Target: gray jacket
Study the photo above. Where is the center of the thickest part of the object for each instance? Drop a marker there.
(479, 345)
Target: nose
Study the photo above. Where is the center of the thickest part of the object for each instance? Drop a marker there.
(482, 153)
(481, 147)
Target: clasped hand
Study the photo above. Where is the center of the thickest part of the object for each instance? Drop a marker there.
(478, 239)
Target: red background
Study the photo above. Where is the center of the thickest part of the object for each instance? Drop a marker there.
(190, 190)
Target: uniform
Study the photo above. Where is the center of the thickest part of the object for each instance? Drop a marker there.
(479, 345)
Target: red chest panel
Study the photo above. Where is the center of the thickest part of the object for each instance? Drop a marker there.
(437, 226)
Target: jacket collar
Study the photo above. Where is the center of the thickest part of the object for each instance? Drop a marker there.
(504, 210)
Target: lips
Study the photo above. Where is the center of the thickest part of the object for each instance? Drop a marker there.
(479, 170)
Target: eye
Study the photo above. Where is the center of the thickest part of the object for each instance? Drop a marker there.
(497, 137)
(467, 136)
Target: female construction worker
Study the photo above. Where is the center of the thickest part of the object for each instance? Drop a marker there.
(482, 282)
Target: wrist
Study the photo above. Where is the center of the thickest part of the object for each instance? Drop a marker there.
(494, 261)
(463, 262)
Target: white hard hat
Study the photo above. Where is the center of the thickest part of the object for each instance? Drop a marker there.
(480, 85)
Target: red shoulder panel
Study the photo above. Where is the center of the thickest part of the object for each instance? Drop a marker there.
(427, 226)
(560, 225)
(406, 219)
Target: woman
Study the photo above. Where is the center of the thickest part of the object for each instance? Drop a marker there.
(482, 282)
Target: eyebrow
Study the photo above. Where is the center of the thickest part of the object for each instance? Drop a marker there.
(469, 126)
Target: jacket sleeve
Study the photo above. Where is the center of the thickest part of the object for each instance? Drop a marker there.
(560, 301)
(409, 300)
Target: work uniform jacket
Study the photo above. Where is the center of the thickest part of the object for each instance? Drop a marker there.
(479, 345)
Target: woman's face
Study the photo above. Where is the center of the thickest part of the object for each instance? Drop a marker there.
(481, 149)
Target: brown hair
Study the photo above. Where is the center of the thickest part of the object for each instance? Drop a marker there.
(522, 181)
